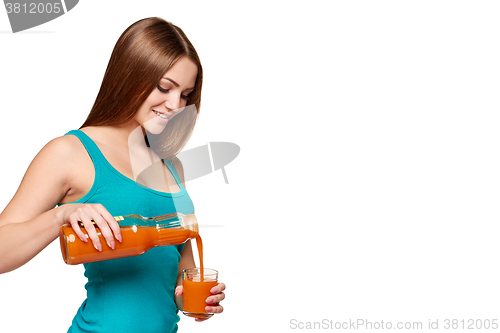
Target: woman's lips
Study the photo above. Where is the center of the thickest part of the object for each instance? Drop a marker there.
(161, 115)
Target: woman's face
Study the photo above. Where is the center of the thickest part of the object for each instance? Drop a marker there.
(169, 97)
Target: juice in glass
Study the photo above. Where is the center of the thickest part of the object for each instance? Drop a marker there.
(197, 285)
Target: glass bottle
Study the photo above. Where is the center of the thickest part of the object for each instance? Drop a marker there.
(139, 234)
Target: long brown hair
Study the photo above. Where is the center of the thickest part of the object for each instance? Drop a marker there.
(142, 55)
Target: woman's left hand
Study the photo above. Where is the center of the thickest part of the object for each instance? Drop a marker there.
(213, 301)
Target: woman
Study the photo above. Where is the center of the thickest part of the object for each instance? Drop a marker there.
(153, 73)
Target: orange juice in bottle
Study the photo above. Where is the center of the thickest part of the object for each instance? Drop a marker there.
(139, 234)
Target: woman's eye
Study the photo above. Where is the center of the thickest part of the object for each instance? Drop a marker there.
(160, 88)
(163, 90)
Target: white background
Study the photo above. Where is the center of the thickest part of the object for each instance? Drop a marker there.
(367, 186)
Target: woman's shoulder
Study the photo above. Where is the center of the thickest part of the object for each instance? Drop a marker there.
(66, 162)
(63, 147)
(63, 155)
(59, 167)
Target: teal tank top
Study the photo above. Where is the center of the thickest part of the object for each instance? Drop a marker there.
(134, 294)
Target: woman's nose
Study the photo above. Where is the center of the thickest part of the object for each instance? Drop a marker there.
(173, 103)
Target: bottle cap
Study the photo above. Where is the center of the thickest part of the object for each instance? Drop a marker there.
(190, 222)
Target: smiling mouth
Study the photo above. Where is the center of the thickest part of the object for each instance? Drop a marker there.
(161, 115)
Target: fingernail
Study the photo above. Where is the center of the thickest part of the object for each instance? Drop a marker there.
(208, 309)
(119, 237)
(98, 247)
(111, 244)
(210, 300)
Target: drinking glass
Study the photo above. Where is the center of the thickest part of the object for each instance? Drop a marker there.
(197, 287)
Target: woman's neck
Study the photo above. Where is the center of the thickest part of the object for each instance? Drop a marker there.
(118, 136)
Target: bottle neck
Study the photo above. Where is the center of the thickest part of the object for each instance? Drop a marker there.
(174, 236)
(178, 220)
(177, 230)
(174, 220)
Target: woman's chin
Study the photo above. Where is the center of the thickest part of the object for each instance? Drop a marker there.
(154, 127)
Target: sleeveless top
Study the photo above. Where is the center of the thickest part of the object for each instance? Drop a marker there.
(134, 294)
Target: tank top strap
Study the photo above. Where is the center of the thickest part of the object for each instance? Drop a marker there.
(95, 153)
(170, 164)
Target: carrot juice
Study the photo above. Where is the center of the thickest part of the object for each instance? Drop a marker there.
(196, 289)
(135, 241)
(199, 245)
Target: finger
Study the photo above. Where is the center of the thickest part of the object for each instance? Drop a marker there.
(216, 299)
(78, 231)
(218, 288)
(92, 233)
(201, 319)
(105, 231)
(214, 309)
(111, 221)
(178, 290)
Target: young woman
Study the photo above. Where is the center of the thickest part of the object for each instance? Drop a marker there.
(146, 108)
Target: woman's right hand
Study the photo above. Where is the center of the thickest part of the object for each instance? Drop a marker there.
(88, 214)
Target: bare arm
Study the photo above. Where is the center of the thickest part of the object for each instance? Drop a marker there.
(30, 222)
